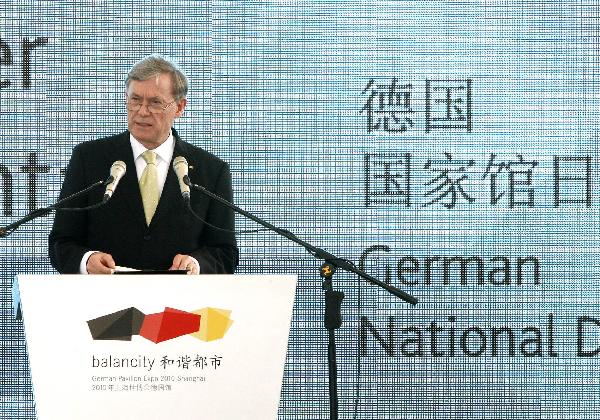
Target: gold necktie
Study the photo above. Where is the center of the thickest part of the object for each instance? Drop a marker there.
(149, 185)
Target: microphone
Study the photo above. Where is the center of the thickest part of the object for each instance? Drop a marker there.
(117, 170)
(180, 166)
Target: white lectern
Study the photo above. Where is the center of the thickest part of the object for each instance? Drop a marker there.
(231, 368)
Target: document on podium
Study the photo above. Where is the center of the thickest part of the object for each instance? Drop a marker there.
(128, 270)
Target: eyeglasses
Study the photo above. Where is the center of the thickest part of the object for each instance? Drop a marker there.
(155, 106)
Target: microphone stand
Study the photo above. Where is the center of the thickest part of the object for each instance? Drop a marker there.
(333, 299)
(5, 231)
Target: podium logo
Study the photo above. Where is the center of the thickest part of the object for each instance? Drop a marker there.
(206, 324)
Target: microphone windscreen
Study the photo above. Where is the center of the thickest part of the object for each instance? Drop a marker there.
(180, 166)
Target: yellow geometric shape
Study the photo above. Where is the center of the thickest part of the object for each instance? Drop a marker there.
(214, 323)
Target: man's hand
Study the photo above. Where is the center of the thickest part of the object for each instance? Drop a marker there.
(185, 262)
(100, 263)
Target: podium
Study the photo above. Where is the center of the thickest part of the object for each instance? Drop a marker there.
(156, 346)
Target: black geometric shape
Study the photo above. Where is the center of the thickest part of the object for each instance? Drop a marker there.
(120, 325)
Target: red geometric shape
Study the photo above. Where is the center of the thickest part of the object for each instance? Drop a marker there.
(170, 323)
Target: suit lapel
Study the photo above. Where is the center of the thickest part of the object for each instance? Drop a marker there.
(129, 186)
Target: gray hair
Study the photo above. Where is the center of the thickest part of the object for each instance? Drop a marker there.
(154, 65)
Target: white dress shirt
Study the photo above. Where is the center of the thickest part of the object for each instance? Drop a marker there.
(164, 154)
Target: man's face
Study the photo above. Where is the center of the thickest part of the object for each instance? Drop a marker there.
(152, 129)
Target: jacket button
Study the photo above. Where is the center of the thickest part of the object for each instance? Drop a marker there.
(147, 237)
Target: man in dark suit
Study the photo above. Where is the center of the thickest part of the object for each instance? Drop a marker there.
(146, 224)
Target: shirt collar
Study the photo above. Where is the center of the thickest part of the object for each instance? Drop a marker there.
(164, 151)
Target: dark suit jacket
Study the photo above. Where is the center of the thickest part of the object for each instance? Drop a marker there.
(119, 227)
